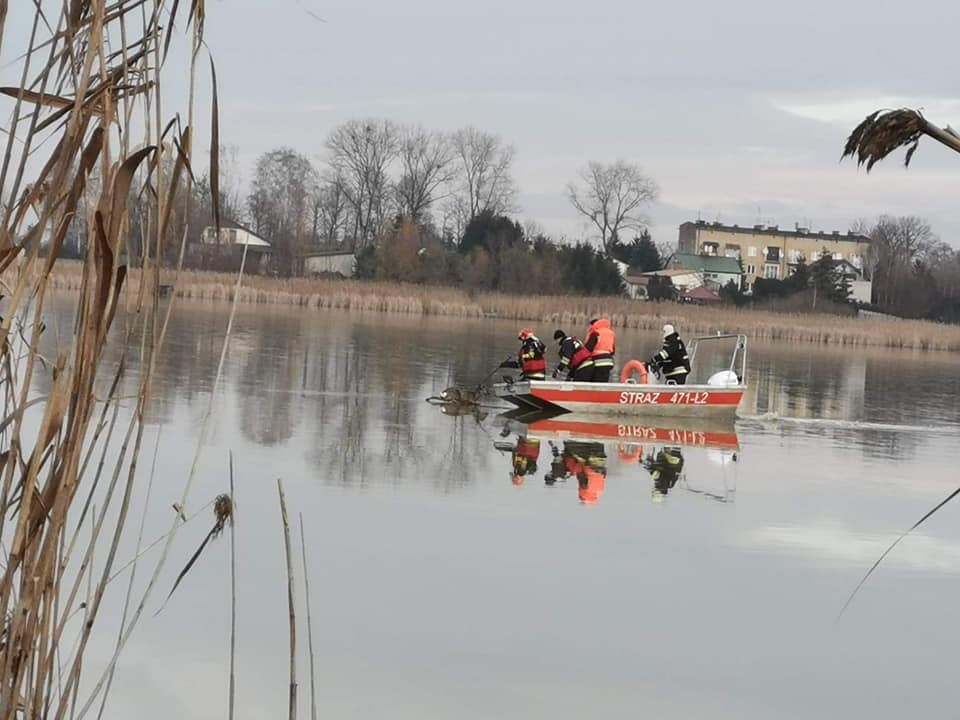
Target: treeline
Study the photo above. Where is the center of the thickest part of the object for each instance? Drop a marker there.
(420, 205)
(494, 253)
(412, 204)
(915, 274)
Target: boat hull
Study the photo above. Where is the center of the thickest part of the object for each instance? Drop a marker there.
(623, 399)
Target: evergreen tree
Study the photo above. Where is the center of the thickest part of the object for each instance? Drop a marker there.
(829, 281)
(661, 288)
(731, 293)
(800, 279)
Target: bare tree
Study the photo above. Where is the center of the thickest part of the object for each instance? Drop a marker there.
(484, 182)
(282, 186)
(612, 197)
(896, 245)
(361, 152)
(426, 165)
(330, 212)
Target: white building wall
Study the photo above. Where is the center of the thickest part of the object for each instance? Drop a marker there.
(860, 290)
(345, 264)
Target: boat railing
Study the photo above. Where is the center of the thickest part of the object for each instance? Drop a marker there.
(737, 358)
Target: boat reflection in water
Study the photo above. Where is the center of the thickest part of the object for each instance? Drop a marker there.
(580, 449)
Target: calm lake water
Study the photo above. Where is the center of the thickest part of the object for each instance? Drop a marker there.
(442, 588)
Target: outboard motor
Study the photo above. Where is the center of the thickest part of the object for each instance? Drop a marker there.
(724, 378)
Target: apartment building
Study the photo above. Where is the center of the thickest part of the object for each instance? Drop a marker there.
(766, 251)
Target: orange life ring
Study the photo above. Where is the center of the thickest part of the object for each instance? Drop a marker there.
(630, 367)
(630, 457)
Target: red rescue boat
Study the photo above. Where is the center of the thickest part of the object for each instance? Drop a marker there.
(718, 397)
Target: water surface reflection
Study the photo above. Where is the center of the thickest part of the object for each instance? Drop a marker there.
(682, 571)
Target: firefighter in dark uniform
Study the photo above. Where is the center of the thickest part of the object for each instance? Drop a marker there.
(574, 358)
(665, 470)
(672, 361)
(530, 360)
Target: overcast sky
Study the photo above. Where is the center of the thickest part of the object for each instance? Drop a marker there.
(738, 108)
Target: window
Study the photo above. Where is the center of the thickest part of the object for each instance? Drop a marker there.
(732, 251)
(751, 251)
(794, 256)
(773, 254)
(751, 269)
(771, 272)
(838, 256)
(710, 248)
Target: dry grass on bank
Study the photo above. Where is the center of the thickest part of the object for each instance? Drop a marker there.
(556, 310)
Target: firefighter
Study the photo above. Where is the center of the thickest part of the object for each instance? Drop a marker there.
(665, 470)
(601, 342)
(524, 458)
(530, 359)
(574, 358)
(672, 361)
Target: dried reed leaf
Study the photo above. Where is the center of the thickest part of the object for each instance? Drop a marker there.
(215, 149)
(37, 98)
(178, 166)
(171, 23)
(223, 514)
(121, 190)
(90, 154)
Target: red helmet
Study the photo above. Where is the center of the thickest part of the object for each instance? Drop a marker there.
(525, 333)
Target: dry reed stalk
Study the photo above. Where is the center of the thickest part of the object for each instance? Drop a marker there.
(290, 603)
(306, 589)
(233, 597)
(133, 571)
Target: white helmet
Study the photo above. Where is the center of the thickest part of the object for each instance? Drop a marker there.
(668, 329)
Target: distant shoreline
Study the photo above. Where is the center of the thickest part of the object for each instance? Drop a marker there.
(559, 310)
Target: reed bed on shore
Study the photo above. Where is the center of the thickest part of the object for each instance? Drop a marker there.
(561, 311)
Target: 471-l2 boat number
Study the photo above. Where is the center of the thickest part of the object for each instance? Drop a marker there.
(633, 397)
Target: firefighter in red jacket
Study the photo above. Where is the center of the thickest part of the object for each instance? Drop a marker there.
(530, 359)
(574, 358)
(601, 342)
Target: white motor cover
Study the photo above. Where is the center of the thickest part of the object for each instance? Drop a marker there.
(724, 378)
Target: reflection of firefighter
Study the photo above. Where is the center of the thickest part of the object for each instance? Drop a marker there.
(558, 467)
(525, 456)
(665, 469)
(586, 461)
